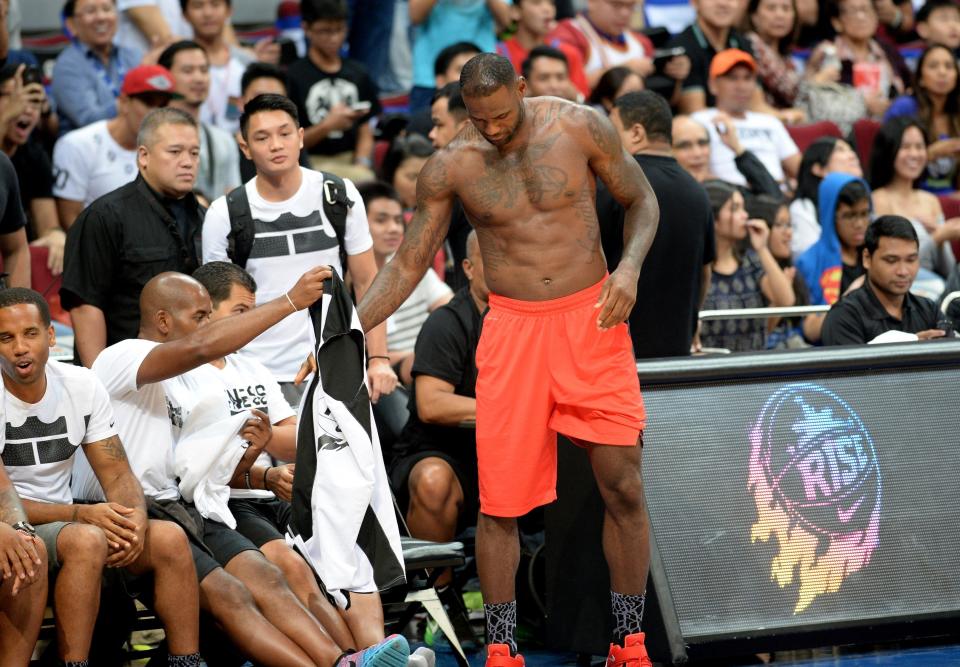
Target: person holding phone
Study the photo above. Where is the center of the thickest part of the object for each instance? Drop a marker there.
(335, 96)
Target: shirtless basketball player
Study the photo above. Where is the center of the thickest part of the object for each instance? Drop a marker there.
(555, 355)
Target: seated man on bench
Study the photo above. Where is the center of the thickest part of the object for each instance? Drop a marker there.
(50, 410)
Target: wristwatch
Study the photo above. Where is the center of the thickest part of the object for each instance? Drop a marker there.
(25, 527)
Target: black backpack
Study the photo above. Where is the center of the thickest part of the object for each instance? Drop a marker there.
(336, 205)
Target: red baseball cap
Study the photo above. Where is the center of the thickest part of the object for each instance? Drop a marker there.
(148, 79)
(727, 59)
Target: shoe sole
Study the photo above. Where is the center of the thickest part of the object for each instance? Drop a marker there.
(392, 654)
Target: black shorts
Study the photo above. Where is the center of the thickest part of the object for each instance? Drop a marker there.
(212, 543)
(467, 476)
(261, 520)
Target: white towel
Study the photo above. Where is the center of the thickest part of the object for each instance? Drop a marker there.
(207, 454)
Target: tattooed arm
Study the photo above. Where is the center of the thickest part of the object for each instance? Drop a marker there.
(626, 182)
(123, 518)
(423, 237)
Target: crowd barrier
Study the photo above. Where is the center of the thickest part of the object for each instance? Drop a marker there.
(796, 499)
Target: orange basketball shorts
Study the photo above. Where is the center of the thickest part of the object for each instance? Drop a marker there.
(545, 368)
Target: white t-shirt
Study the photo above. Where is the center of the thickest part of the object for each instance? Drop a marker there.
(130, 36)
(404, 325)
(221, 107)
(760, 133)
(291, 237)
(142, 420)
(41, 438)
(88, 163)
(245, 384)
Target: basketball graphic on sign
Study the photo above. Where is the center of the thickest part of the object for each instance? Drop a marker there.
(815, 480)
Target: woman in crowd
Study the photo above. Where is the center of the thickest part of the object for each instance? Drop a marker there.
(824, 156)
(897, 162)
(750, 279)
(402, 166)
(856, 58)
(773, 28)
(791, 332)
(89, 72)
(615, 82)
(936, 103)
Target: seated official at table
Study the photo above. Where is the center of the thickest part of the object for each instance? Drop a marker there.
(891, 258)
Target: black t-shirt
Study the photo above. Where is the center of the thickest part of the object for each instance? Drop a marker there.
(859, 317)
(456, 245)
(315, 91)
(664, 318)
(34, 172)
(120, 242)
(701, 52)
(446, 349)
(848, 275)
(11, 208)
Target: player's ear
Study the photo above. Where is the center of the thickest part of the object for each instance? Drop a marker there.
(521, 87)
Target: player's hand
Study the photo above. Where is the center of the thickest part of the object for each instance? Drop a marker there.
(267, 50)
(309, 288)
(307, 368)
(930, 334)
(617, 297)
(257, 430)
(280, 481)
(19, 558)
(55, 240)
(380, 379)
(125, 557)
(759, 232)
(678, 68)
(114, 520)
(696, 347)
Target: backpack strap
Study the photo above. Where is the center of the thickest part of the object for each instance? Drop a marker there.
(336, 206)
(240, 238)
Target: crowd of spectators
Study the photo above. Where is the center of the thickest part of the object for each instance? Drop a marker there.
(161, 129)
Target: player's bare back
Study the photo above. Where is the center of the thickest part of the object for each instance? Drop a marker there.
(532, 202)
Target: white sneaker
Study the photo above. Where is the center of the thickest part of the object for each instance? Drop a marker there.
(429, 657)
(417, 661)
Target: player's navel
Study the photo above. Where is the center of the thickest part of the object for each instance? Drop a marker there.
(547, 281)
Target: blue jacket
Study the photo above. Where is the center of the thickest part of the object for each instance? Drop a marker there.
(821, 265)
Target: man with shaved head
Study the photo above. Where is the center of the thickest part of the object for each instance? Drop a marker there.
(247, 596)
(128, 236)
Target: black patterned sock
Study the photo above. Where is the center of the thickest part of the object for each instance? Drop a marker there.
(76, 663)
(501, 624)
(627, 615)
(192, 660)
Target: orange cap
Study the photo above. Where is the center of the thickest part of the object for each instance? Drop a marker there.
(727, 59)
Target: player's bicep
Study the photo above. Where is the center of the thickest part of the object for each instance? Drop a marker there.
(608, 159)
(107, 457)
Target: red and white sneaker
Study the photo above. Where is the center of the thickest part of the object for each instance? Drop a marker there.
(633, 653)
(498, 655)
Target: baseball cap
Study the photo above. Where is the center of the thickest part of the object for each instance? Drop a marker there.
(727, 59)
(148, 79)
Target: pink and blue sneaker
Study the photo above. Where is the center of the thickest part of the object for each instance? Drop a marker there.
(391, 652)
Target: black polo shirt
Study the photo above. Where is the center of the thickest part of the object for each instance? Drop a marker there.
(120, 242)
(859, 317)
(701, 52)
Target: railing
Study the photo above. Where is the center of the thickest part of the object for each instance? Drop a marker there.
(760, 313)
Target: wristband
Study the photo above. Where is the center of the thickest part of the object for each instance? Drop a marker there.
(246, 480)
(376, 356)
(290, 301)
(265, 471)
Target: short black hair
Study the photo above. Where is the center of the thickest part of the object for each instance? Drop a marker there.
(817, 154)
(485, 74)
(70, 8)
(929, 7)
(170, 53)
(886, 145)
(256, 71)
(267, 102)
(8, 71)
(447, 54)
(403, 148)
(893, 226)
(648, 109)
(609, 84)
(16, 296)
(852, 193)
(455, 105)
(370, 190)
(184, 3)
(765, 207)
(220, 277)
(542, 51)
(323, 10)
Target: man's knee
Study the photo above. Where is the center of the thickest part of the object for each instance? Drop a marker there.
(169, 543)
(623, 494)
(82, 543)
(224, 594)
(433, 485)
(289, 561)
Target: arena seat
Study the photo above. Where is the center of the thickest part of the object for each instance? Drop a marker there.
(864, 130)
(951, 209)
(804, 135)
